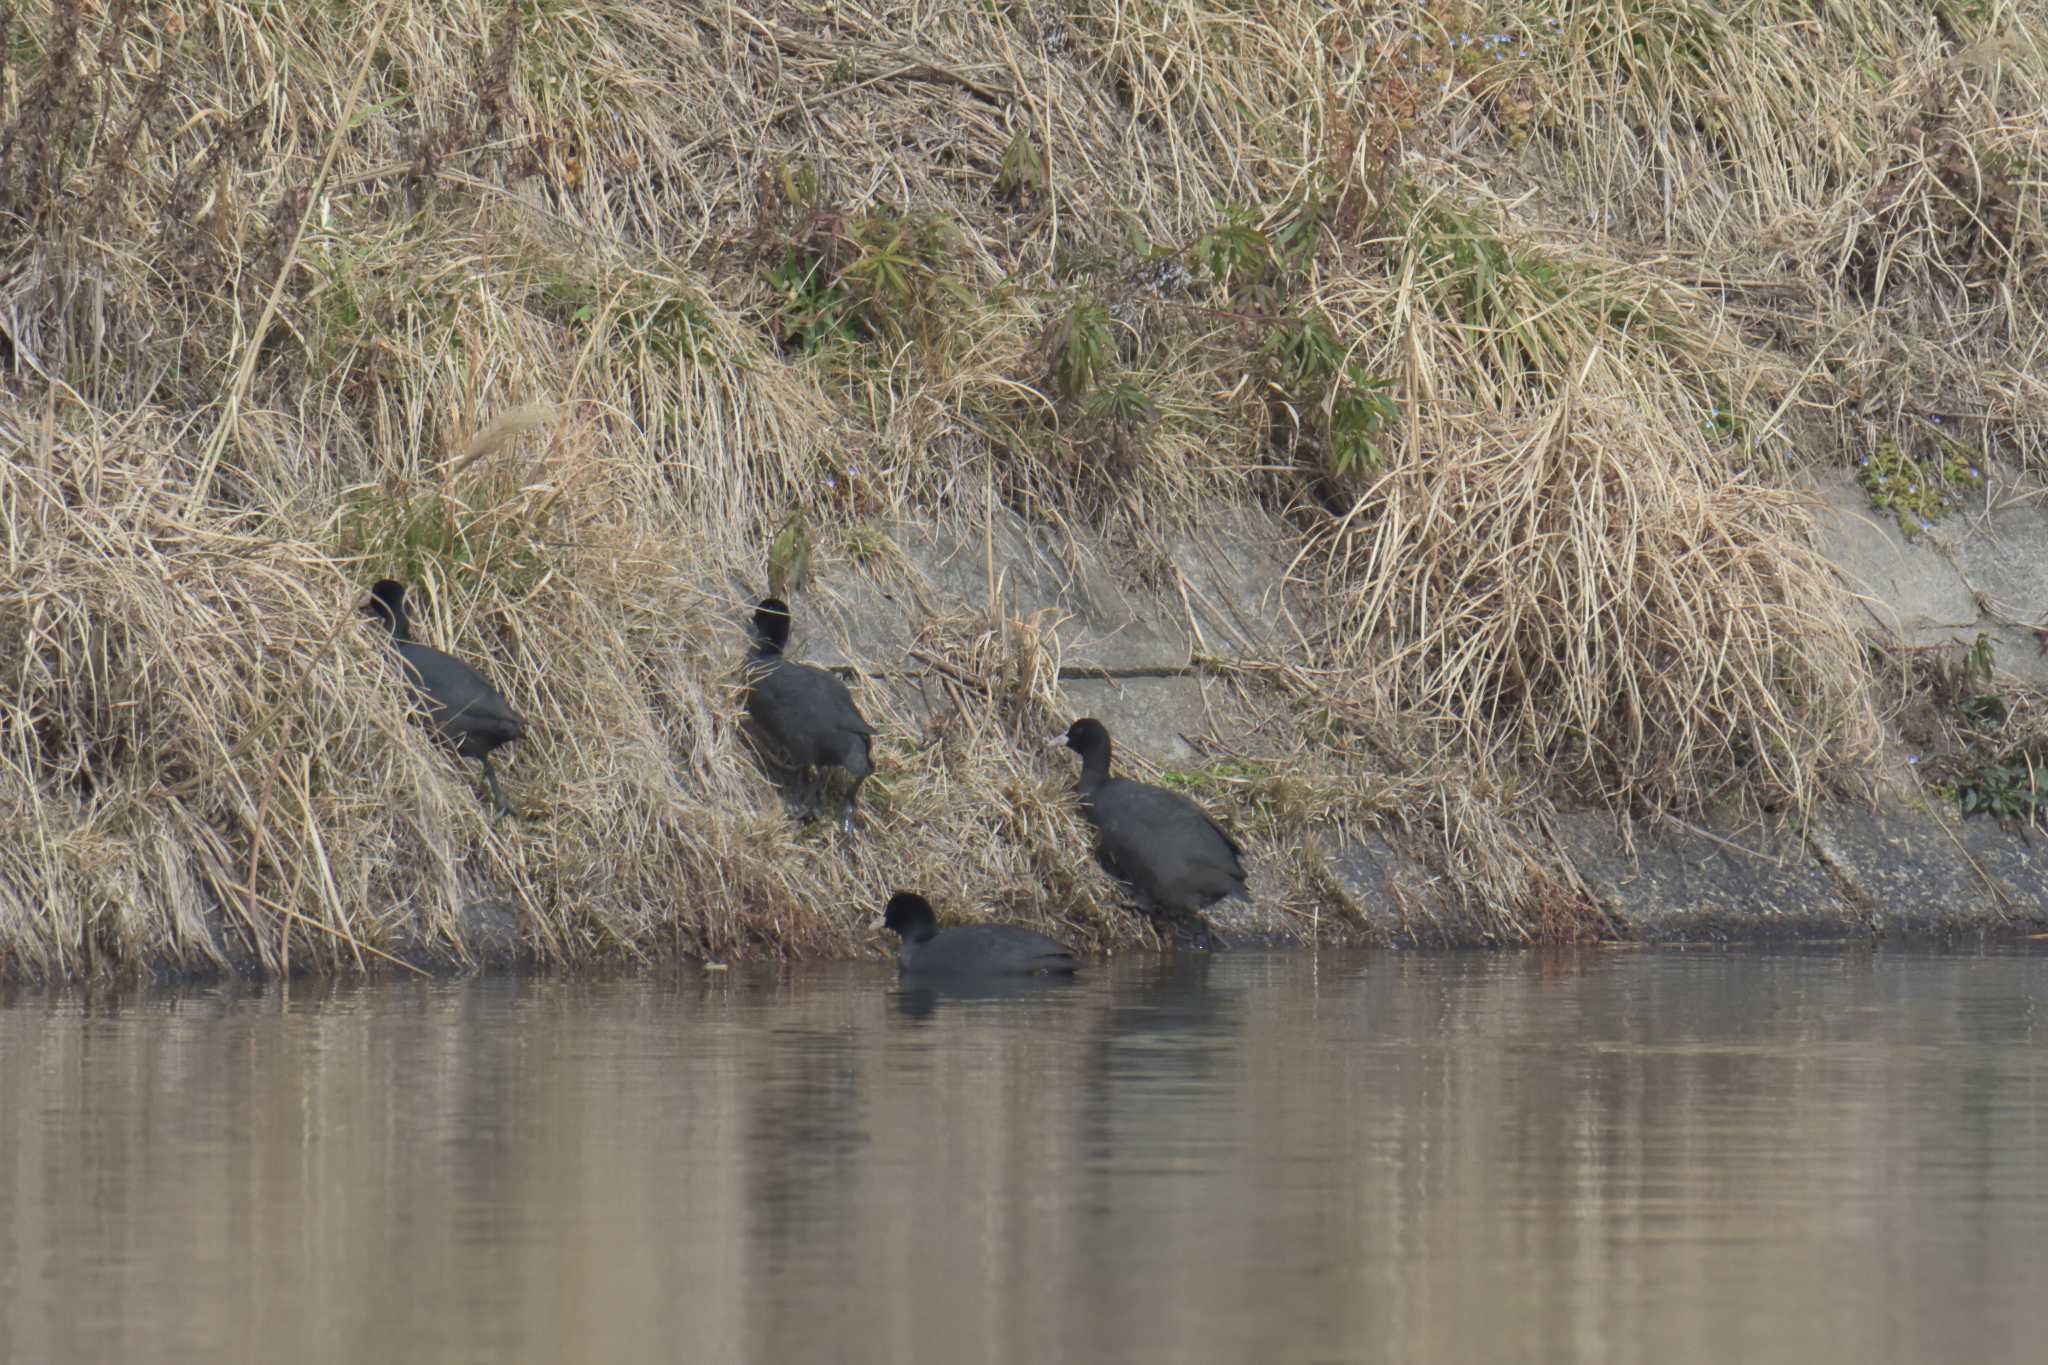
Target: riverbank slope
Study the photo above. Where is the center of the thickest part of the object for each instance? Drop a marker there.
(1538, 472)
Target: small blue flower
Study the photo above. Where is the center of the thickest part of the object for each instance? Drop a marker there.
(1937, 420)
(1913, 758)
(1974, 474)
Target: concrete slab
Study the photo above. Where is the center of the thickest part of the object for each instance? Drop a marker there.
(1234, 574)
(1680, 883)
(1399, 897)
(2004, 562)
(2004, 559)
(2019, 653)
(2016, 860)
(1911, 872)
(1229, 601)
(1146, 716)
(1909, 590)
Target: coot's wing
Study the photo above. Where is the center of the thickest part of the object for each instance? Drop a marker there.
(459, 699)
(782, 702)
(987, 950)
(1153, 822)
(1032, 950)
(830, 698)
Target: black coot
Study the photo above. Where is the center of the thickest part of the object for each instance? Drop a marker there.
(971, 950)
(1160, 842)
(467, 711)
(805, 712)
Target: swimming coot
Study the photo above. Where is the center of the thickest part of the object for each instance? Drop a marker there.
(467, 711)
(805, 712)
(971, 950)
(1164, 845)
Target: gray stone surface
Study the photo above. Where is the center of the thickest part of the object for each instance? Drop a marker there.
(1680, 883)
(1219, 590)
(2016, 861)
(1976, 573)
(918, 570)
(1908, 588)
(1146, 716)
(1400, 899)
(1261, 923)
(1234, 577)
(1911, 872)
(492, 934)
(2020, 653)
(2003, 559)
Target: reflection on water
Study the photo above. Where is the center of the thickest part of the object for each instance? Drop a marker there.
(1626, 1155)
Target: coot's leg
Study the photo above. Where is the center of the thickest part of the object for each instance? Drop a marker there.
(852, 795)
(504, 807)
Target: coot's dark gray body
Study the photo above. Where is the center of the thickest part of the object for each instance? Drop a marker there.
(466, 710)
(1165, 846)
(805, 712)
(971, 950)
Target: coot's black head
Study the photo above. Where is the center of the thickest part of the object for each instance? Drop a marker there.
(387, 604)
(771, 624)
(1087, 737)
(910, 917)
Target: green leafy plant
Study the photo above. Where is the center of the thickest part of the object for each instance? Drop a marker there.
(1124, 402)
(1977, 661)
(2015, 788)
(1083, 347)
(1230, 776)
(643, 314)
(1235, 251)
(1725, 423)
(812, 309)
(881, 276)
(1328, 401)
(1022, 172)
(1361, 408)
(426, 535)
(789, 556)
(1532, 316)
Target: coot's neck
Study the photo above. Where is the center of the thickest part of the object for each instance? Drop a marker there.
(766, 645)
(401, 625)
(1094, 768)
(921, 932)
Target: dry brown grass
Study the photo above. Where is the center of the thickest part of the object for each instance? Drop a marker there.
(272, 279)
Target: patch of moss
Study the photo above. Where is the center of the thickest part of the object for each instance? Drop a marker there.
(1918, 489)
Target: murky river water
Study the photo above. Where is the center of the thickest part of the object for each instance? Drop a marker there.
(1621, 1155)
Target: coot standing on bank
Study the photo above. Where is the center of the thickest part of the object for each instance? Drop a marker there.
(805, 712)
(1164, 845)
(467, 711)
